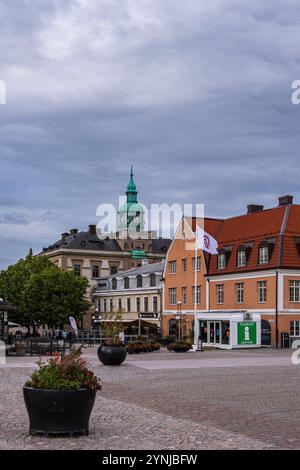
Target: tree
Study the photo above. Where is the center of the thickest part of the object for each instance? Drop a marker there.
(42, 292)
(53, 295)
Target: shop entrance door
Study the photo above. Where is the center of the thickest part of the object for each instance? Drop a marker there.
(214, 332)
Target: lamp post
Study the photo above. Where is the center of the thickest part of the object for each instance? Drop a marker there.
(96, 320)
(179, 319)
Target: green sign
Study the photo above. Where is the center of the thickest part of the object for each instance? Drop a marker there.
(138, 254)
(247, 332)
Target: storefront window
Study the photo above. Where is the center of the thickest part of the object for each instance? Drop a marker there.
(225, 332)
(203, 330)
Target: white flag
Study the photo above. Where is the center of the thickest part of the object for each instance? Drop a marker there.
(206, 242)
(73, 324)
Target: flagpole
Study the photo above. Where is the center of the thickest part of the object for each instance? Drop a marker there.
(195, 288)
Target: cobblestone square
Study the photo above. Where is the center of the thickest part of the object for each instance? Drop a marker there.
(203, 400)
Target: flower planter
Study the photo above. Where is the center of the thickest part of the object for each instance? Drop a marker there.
(111, 355)
(59, 411)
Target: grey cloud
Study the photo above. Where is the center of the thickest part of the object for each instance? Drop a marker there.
(195, 94)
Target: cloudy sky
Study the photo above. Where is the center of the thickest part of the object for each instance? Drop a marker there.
(196, 94)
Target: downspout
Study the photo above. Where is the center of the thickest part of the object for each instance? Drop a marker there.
(280, 256)
(276, 314)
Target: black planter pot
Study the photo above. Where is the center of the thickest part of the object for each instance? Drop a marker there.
(111, 355)
(59, 411)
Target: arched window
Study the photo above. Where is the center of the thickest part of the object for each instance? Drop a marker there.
(126, 283)
(152, 280)
(173, 327)
(139, 281)
(114, 283)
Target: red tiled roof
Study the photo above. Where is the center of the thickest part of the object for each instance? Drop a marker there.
(256, 227)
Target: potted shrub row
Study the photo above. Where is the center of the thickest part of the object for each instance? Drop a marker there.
(180, 345)
(142, 346)
(60, 395)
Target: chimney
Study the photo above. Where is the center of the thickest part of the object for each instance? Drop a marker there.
(92, 230)
(73, 231)
(254, 208)
(64, 235)
(285, 200)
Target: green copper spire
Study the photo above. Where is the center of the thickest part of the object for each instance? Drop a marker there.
(131, 192)
(131, 212)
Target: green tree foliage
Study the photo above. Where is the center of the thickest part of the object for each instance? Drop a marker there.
(42, 292)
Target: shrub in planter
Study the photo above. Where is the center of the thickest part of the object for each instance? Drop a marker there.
(180, 346)
(60, 395)
(112, 352)
(139, 346)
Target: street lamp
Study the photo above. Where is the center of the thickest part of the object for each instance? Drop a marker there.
(179, 319)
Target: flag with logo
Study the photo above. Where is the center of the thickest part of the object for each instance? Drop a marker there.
(73, 324)
(206, 242)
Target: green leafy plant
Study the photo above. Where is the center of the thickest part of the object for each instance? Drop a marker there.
(42, 293)
(111, 326)
(179, 346)
(67, 373)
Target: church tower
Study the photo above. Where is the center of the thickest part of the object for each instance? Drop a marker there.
(131, 214)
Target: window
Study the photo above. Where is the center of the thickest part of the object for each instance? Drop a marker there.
(126, 283)
(113, 270)
(146, 304)
(114, 283)
(263, 255)
(241, 258)
(152, 280)
(104, 305)
(172, 267)
(111, 305)
(172, 296)
(262, 292)
(120, 305)
(173, 327)
(155, 305)
(95, 271)
(139, 281)
(221, 261)
(294, 291)
(198, 295)
(77, 269)
(295, 328)
(225, 332)
(183, 265)
(196, 268)
(220, 293)
(239, 290)
(203, 330)
(183, 295)
(128, 304)
(138, 305)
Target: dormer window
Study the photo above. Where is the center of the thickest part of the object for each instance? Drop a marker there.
(126, 283)
(139, 281)
(241, 258)
(152, 280)
(221, 261)
(263, 254)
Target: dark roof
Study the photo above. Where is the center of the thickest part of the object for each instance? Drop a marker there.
(90, 241)
(5, 306)
(161, 245)
(84, 241)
